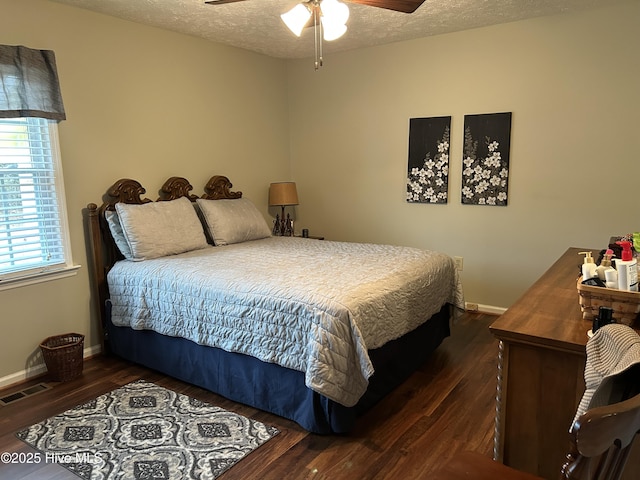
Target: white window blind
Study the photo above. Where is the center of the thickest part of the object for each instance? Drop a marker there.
(33, 223)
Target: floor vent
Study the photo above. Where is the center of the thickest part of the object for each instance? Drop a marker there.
(14, 397)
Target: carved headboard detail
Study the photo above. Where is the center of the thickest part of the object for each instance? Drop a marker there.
(125, 191)
(104, 252)
(219, 188)
(176, 187)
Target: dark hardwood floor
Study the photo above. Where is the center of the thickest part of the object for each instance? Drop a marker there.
(445, 407)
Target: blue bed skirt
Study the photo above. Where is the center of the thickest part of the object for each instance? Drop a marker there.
(270, 387)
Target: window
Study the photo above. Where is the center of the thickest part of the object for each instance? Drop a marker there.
(34, 235)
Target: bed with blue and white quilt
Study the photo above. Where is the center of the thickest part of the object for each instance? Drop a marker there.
(315, 331)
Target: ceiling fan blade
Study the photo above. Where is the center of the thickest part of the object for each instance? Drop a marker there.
(405, 6)
(221, 2)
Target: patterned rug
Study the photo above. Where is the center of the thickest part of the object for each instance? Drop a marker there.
(143, 431)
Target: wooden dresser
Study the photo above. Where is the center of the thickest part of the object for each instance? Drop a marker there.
(541, 363)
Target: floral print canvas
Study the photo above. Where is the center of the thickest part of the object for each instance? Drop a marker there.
(428, 166)
(485, 160)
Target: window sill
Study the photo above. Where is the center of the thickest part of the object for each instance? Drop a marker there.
(38, 278)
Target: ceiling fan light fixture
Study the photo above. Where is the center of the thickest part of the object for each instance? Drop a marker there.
(335, 11)
(329, 21)
(333, 31)
(334, 19)
(296, 18)
(329, 17)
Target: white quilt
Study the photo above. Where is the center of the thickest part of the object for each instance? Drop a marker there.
(308, 305)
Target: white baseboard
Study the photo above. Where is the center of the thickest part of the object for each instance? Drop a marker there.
(40, 369)
(480, 308)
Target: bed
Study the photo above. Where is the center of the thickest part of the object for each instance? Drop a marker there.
(311, 330)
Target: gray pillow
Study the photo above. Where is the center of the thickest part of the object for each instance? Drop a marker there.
(233, 221)
(118, 235)
(157, 229)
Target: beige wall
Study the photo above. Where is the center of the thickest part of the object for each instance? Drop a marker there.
(147, 104)
(142, 103)
(572, 83)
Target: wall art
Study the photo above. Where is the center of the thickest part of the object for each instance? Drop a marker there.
(485, 160)
(428, 166)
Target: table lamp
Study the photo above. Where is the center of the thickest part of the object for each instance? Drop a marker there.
(283, 194)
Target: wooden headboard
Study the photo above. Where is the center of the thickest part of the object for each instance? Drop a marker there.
(104, 252)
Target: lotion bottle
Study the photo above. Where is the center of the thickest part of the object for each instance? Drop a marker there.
(627, 268)
(588, 267)
(611, 277)
(605, 265)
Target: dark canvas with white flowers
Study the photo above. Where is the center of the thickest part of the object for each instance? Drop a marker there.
(428, 166)
(485, 160)
(144, 431)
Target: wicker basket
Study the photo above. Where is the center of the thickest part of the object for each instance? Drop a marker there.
(63, 356)
(625, 304)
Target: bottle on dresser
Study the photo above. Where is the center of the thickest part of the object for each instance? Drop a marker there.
(627, 268)
(605, 265)
(588, 267)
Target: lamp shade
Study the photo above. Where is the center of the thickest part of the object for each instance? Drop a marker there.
(334, 11)
(334, 19)
(283, 193)
(297, 18)
(333, 31)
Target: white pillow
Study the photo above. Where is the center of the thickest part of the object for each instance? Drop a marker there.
(118, 235)
(233, 221)
(157, 229)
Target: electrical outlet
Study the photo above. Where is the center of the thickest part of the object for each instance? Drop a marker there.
(472, 307)
(459, 263)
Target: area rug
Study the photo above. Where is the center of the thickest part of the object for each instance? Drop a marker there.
(144, 431)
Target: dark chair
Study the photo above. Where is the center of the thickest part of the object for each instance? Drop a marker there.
(600, 443)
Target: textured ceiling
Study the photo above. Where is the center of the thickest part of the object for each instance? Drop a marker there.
(255, 24)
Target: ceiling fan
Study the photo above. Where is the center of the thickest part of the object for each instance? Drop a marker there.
(329, 17)
(404, 6)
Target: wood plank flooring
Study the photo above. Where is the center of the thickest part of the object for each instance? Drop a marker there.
(445, 407)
